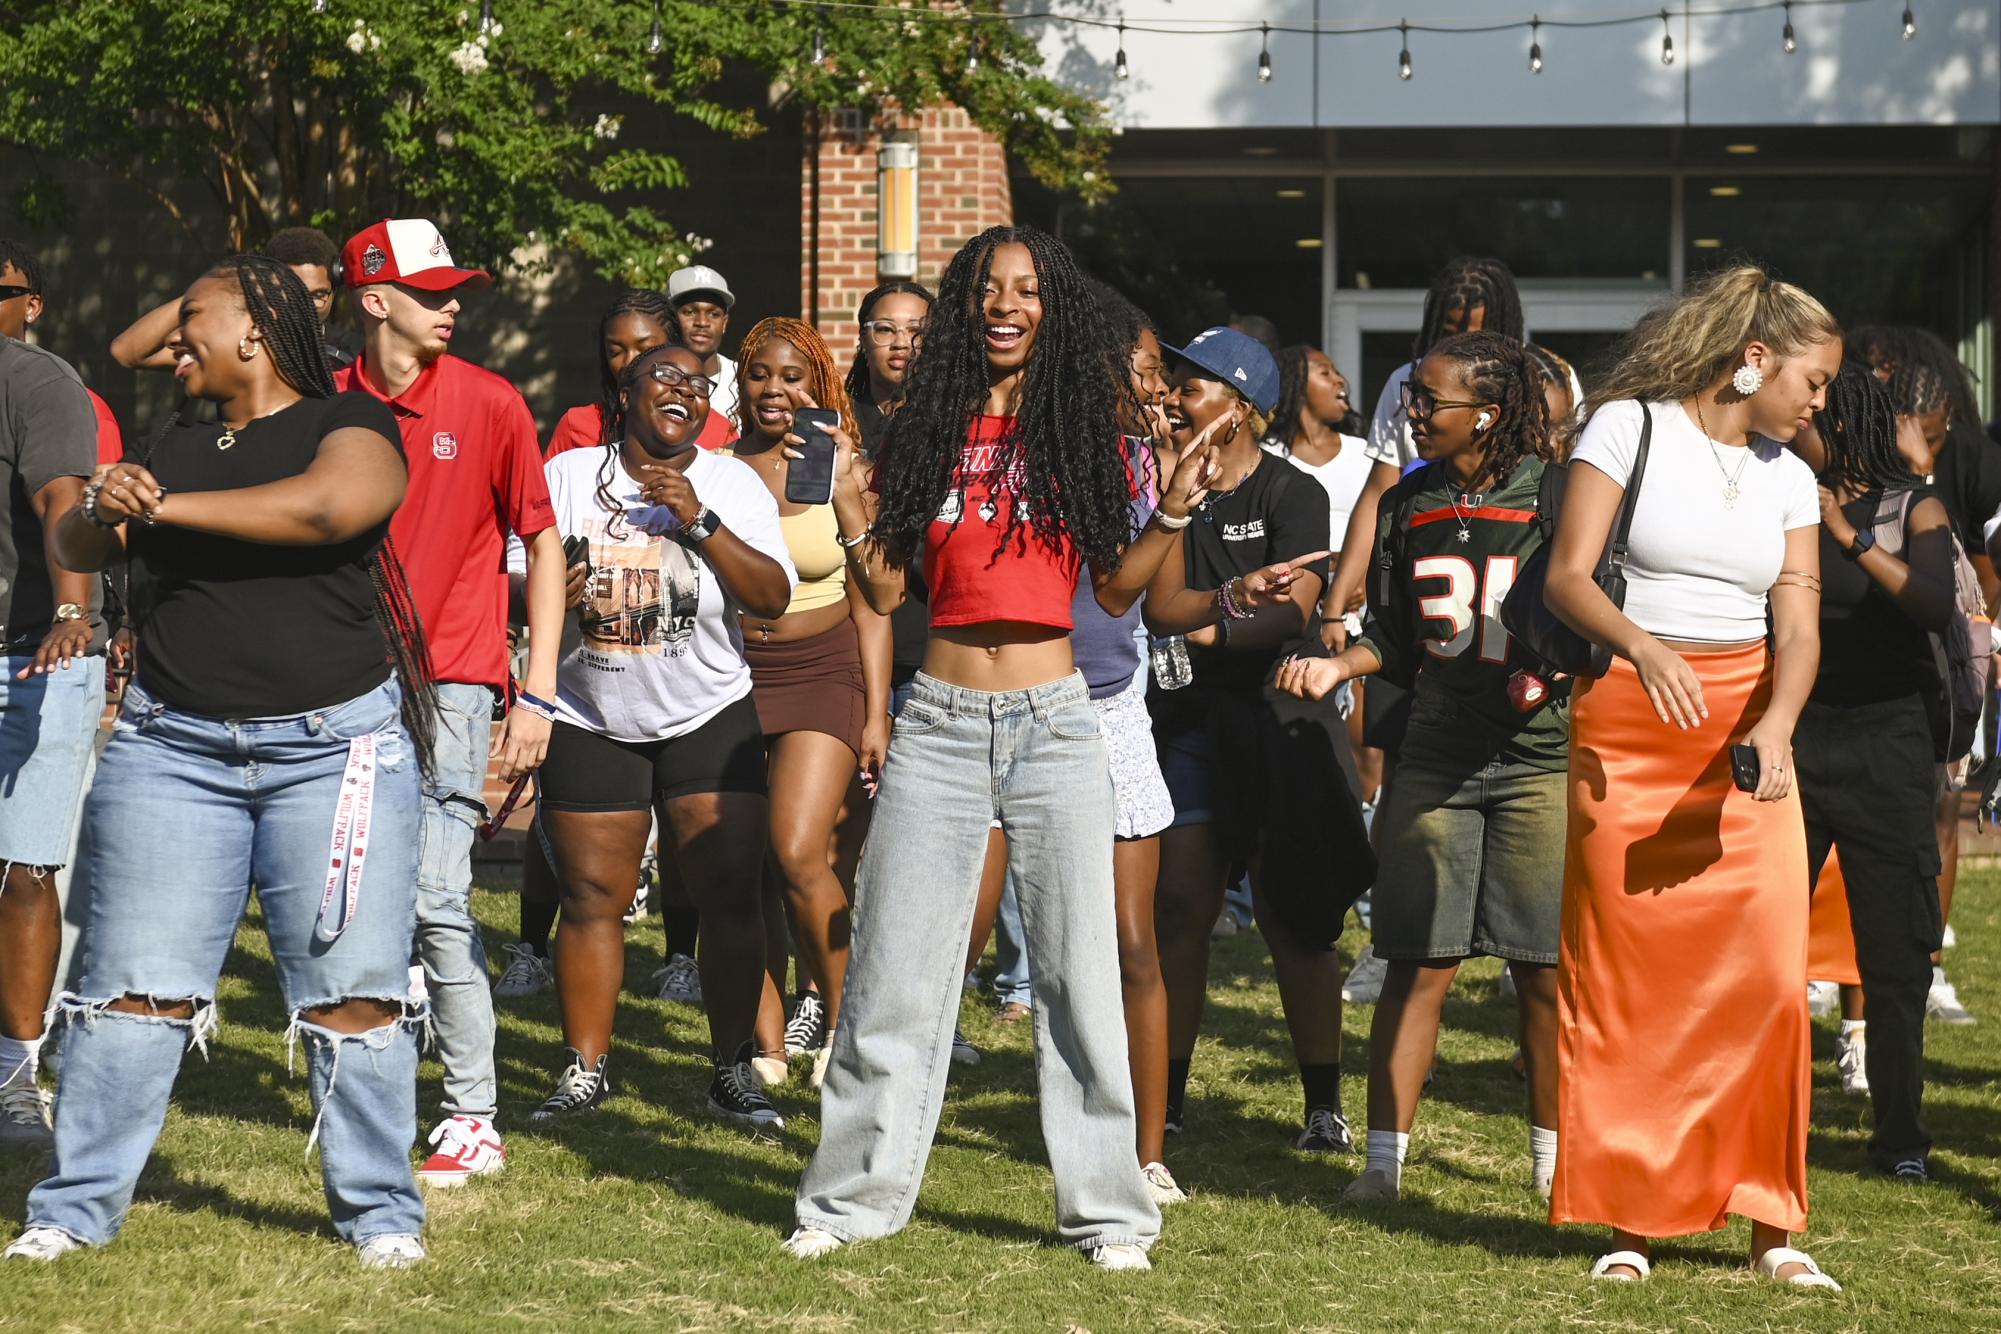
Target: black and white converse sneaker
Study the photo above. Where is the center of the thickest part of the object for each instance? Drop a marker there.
(734, 1093)
(1326, 1132)
(807, 1029)
(578, 1089)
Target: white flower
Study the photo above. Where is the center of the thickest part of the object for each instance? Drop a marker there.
(465, 17)
(607, 127)
(470, 57)
(696, 244)
(357, 41)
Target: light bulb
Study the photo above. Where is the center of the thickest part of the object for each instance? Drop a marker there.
(1403, 56)
(819, 46)
(1264, 55)
(656, 41)
(319, 6)
(1910, 24)
(485, 18)
(1535, 46)
(1786, 40)
(1119, 67)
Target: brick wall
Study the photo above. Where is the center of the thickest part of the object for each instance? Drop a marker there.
(962, 190)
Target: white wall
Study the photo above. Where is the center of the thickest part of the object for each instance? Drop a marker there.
(1852, 66)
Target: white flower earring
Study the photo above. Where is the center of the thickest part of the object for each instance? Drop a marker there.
(1748, 380)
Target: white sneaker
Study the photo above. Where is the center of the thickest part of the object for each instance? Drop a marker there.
(818, 1078)
(1942, 1002)
(1163, 1185)
(24, 1112)
(42, 1243)
(680, 980)
(1948, 940)
(394, 1250)
(637, 912)
(810, 1243)
(1120, 1257)
(1850, 1058)
(467, 1147)
(526, 974)
(769, 1071)
(1364, 983)
(1822, 998)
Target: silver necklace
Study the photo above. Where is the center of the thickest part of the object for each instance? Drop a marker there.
(1731, 488)
(1465, 520)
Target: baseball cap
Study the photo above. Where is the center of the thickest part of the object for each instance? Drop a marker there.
(695, 279)
(1238, 360)
(410, 251)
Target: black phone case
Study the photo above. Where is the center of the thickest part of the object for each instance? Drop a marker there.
(810, 480)
(1744, 767)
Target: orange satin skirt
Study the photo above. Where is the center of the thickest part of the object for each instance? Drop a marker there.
(1683, 1065)
(1830, 942)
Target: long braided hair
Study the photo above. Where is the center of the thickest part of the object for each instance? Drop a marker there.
(1498, 369)
(826, 386)
(1858, 429)
(1060, 457)
(1927, 375)
(647, 304)
(283, 314)
(1465, 284)
(858, 382)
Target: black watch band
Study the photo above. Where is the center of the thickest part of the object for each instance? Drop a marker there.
(1865, 541)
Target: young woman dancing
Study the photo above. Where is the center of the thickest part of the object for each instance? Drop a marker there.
(1667, 857)
(1472, 829)
(1004, 475)
(653, 713)
(236, 755)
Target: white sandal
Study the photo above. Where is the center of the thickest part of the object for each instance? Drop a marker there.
(1632, 1260)
(1769, 1262)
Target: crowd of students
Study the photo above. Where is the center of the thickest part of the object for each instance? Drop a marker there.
(1077, 642)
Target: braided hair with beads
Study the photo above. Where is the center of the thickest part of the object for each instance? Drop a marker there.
(282, 312)
(1499, 370)
(1467, 284)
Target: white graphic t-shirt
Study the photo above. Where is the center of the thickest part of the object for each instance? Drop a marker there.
(660, 651)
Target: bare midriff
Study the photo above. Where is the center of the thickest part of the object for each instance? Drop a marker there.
(1699, 646)
(794, 626)
(998, 655)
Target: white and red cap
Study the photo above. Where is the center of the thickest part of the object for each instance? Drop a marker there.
(410, 251)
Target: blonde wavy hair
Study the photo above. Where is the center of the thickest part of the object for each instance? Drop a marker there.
(1681, 349)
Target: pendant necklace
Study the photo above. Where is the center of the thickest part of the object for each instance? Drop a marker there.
(228, 436)
(1731, 488)
(1464, 519)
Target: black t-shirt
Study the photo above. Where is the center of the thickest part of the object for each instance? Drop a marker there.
(1275, 513)
(234, 629)
(1870, 649)
(910, 623)
(1968, 480)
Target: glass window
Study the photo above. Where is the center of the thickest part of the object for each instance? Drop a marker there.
(1395, 232)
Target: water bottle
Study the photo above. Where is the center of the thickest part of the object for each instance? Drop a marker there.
(1169, 659)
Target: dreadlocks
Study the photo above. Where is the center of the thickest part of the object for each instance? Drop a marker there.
(858, 385)
(1858, 428)
(282, 312)
(1467, 284)
(1059, 457)
(825, 383)
(646, 304)
(1499, 370)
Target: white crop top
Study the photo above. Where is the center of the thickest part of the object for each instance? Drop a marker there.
(1700, 568)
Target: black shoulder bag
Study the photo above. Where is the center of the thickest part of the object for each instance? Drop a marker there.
(1544, 637)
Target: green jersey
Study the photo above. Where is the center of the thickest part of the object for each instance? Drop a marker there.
(1441, 627)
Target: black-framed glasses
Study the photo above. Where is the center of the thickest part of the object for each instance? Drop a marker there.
(8, 291)
(667, 373)
(1420, 404)
(882, 333)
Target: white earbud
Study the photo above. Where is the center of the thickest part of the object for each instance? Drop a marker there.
(1484, 419)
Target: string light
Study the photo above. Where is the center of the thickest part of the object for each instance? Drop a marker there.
(1787, 41)
(1910, 24)
(819, 37)
(1119, 67)
(972, 52)
(486, 18)
(1403, 56)
(1535, 45)
(1264, 55)
(1667, 40)
(319, 6)
(656, 42)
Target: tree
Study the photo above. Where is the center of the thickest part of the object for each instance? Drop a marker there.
(503, 119)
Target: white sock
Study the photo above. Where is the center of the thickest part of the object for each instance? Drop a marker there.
(1852, 1028)
(1386, 1151)
(16, 1056)
(1542, 1155)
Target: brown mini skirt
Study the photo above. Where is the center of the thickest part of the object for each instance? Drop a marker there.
(810, 685)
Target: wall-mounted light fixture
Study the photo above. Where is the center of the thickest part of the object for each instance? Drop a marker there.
(896, 209)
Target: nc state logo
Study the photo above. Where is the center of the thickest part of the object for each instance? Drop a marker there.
(373, 261)
(444, 445)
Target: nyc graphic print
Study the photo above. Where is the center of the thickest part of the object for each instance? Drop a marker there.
(642, 594)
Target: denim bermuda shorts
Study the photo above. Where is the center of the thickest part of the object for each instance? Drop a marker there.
(1471, 864)
(48, 737)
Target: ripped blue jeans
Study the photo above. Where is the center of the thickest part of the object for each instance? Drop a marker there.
(187, 814)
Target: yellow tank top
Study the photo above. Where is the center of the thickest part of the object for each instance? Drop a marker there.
(812, 537)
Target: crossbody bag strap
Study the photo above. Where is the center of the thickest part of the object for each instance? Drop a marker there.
(1622, 532)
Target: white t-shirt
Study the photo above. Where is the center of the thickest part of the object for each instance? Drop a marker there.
(1342, 477)
(1700, 568)
(1389, 433)
(723, 399)
(661, 651)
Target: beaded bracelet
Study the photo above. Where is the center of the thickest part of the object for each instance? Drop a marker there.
(1171, 524)
(1227, 600)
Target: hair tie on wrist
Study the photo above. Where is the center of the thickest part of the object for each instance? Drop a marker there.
(1170, 523)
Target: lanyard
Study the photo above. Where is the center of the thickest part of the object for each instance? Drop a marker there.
(349, 848)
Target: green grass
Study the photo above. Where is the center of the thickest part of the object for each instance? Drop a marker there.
(649, 1215)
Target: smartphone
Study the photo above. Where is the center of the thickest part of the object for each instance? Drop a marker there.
(576, 550)
(811, 478)
(1744, 767)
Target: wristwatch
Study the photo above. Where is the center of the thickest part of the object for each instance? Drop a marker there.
(69, 611)
(1864, 540)
(703, 528)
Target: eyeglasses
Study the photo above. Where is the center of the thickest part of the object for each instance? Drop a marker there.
(8, 291)
(1421, 405)
(667, 373)
(883, 332)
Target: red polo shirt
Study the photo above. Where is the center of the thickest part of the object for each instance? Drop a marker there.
(475, 475)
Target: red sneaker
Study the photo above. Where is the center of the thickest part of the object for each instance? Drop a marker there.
(467, 1146)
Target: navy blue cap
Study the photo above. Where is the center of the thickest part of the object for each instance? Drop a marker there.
(1238, 360)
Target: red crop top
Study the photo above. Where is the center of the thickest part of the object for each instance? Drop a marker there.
(1028, 581)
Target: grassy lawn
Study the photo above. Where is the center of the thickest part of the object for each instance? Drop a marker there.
(650, 1215)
